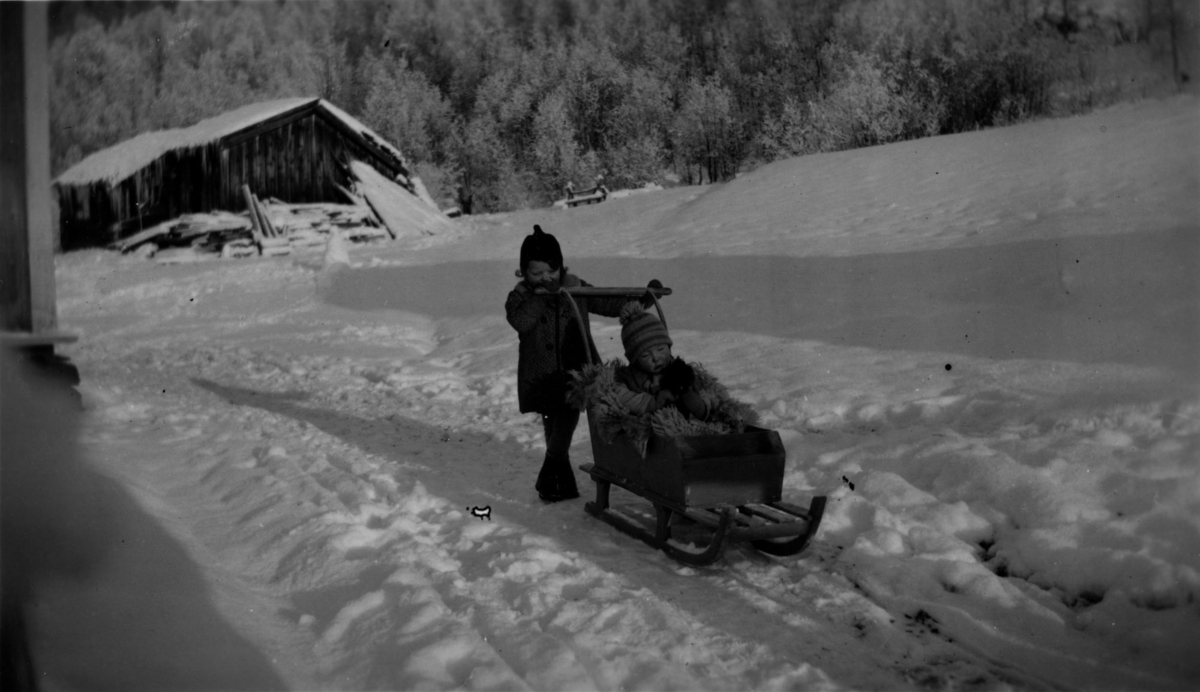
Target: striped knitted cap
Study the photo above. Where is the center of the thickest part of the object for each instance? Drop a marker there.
(641, 330)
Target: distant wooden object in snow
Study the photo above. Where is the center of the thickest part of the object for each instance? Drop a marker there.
(402, 212)
(352, 197)
(594, 195)
(270, 241)
(217, 227)
(256, 223)
(274, 247)
(238, 249)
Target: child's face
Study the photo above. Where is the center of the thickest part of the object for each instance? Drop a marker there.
(654, 359)
(542, 275)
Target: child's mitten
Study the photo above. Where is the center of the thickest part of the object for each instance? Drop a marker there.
(678, 377)
(693, 405)
(648, 298)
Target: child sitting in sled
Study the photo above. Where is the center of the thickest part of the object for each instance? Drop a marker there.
(656, 393)
(654, 378)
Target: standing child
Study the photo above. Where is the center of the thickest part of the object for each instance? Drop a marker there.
(551, 345)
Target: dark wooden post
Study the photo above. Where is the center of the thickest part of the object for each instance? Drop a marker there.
(28, 316)
(27, 234)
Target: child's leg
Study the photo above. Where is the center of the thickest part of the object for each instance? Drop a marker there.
(560, 429)
(556, 479)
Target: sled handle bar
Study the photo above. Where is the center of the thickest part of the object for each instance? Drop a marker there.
(604, 292)
(635, 293)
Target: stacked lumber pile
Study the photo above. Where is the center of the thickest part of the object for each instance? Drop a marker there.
(276, 228)
(216, 228)
(270, 240)
(311, 224)
(378, 209)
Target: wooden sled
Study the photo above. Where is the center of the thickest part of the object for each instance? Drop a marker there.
(729, 486)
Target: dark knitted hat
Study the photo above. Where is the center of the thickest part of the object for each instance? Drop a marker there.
(541, 247)
(641, 330)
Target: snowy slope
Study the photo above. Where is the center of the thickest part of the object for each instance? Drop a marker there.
(981, 347)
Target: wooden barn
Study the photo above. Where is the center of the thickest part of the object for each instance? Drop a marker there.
(296, 150)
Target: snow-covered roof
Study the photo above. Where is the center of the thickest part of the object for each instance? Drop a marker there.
(122, 160)
(354, 124)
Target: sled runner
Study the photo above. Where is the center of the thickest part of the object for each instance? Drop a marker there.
(726, 487)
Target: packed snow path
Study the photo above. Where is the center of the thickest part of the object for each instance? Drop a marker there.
(1012, 507)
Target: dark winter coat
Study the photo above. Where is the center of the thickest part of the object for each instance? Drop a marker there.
(550, 342)
(636, 390)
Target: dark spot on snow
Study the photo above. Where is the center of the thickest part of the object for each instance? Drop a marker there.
(1086, 599)
(947, 366)
(923, 618)
(848, 482)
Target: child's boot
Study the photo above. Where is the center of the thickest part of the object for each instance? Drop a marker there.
(566, 482)
(547, 484)
(549, 479)
(556, 481)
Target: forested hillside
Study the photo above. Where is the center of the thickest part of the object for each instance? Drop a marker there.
(499, 104)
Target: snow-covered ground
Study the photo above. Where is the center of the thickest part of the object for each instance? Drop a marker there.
(982, 348)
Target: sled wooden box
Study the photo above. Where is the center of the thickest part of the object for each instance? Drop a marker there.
(702, 471)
